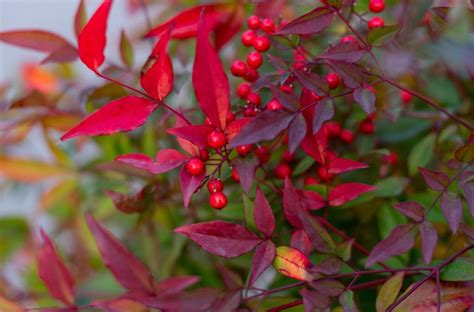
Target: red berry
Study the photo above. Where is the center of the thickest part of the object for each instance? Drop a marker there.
(376, 6)
(333, 80)
(282, 171)
(203, 154)
(248, 37)
(250, 110)
(254, 59)
(261, 44)
(218, 200)
(406, 97)
(332, 129)
(252, 75)
(195, 166)
(243, 150)
(287, 156)
(235, 175)
(215, 185)
(267, 26)
(274, 104)
(229, 117)
(349, 38)
(391, 158)
(329, 156)
(262, 153)
(346, 136)
(239, 68)
(253, 22)
(216, 139)
(309, 180)
(243, 90)
(366, 126)
(254, 98)
(324, 174)
(286, 88)
(376, 22)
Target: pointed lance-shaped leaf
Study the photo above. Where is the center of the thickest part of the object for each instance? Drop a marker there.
(346, 299)
(118, 305)
(156, 76)
(293, 263)
(412, 210)
(340, 165)
(92, 39)
(348, 191)
(350, 73)
(309, 23)
(121, 115)
(262, 258)
(389, 292)
(344, 51)
(291, 204)
(300, 241)
(166, 160)
(468, 190)
(318, 235)
(221, 238)
(127, 269)
(366, 99)
(314, 300)
(210, 82)
(323, 112)
(246, 170)
(263, 214)
(461, 269)
(436, 180)
(174, 285)
(429, 238)
(312, 82)
(80, 18)
(126, 50)
(311, 200)
(196, 134)
(452, 209)
(296, 132)
(400, 240)
(56, 276)
(189, 184)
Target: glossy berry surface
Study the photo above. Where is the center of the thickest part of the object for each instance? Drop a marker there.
(348, 38)
(238, 68)
(215, 185)
(203, 154)
(274, 105)
(230, 117)
(218, 200)
(332, 129)
(406, 97)
(252, 75)
(235, 175)
(243, 150)
(253, 22)
(346, 136)
(261, 44)
(248, 37)
(216, 139)
(310, 180)
(333, 80)
(366, 126)
(254, 59)
(263, 153)
(267, 26)
(376, 22)
(195, 166)
(376, 6)
(250, 111)
(282, 171)
(243, 90)
(254, 98)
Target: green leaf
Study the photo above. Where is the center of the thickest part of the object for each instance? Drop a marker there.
(382, 35)
(421, 154)
(126, 50)
(461, 269)
(13, 233)
(346, 299)
(248, 212)
(389, 292)
(390, 187)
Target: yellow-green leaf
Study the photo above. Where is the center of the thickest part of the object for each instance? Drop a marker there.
(27, 171)
(293, 263)
(389, 292)
(126, 50)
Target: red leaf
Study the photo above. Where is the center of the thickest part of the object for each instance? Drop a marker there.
(128, 270)
(452, 209)
(323, 112)
(429, 238)
(136, 160)
(230, 302)
(412, 210)
(210, 82)
(340, 165)
(263, 214)
(92, 39)
(196, 134)
(262, 259)
(315, 145)
(121, 115)
(174, 285)
(468, 190)
(309, 23)
(189, 184)
(230, 26)
(436, 180)
(300, 241)
(234, 127)
(291, 204)
(54, 273)
(157, 73)
(186, 145)
(246, 170)
(311, 200)
(400, 240)
(221, 238)
(347, 192)
(166, 160)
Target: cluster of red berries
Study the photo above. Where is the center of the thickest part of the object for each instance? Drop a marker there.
(376, 6)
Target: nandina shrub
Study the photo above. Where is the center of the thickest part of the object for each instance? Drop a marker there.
(325, 161)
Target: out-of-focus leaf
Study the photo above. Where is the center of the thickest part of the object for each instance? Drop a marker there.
(314, 300)
(412, 210)
(9, 306)
(30, 171)
(391, 186)
(366, 99)
(189, 184)
(300, 240)
(293, 263)
(461, 269)
(126, 50)
(121, 305)
(346, 299)
(13, 233)
(340, 165)
(174, 285)
(309, 23)
(468, 189)
(80, 18)
(381, 35)
(58, 193)
(263, 257)
(452, 209)
(421, 154)
(436, 180)
(389, 291)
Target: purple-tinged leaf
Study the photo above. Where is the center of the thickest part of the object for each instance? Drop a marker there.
(468, 230)
(340, 165)
(311, 200)
(330, 265)
(231, 279)
(128, 270)
(348, 191)
(263, 214)
(366, 99)
(174, 285)
(309, 23)
(136, 160)
(382, 35)
(289, 101)
(400, 240)
(198, 300)
(300, 240)
(452, 209)
(265, 126)
(230, 302)
(118, 305)
(412, 210)
(196, 134)
(346, 299)
(468, 189)
(350, 52)
(291, 204)
(221, 238)
(234, 127)
(166, 160)
(317, 234)
(429, 238)
(329, 287)
(262, 258)
(189, 184)
(126, 203)
(312, 82)
(436, 180)
(314, 300)
(323, 112)
(52, 271)
(246, 169)
(350, 73)
(265, 81)
(80, 18)
(296, 132)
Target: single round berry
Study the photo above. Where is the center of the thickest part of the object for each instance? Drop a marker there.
(376, 6)
(215, 185)
(310, 180)
(366, 126)
(229, 117)
(243, 150)
(218, 200)
(323, 174)
(195, 166)
(267, 26)
(286, 88)
(391, 159)
(235, 175)
(203, 154)
(254, 98)
(333, 80)
(349, 38)
(216, 139)
(243, 90)
(332, 129)
(346, 136)
(274, 105)
(250, 110)
(263, 153)
(261, 44)
(252, 75)
(287, 156)
(406, 97)
(248, 37)
(376, 22)
(282, 171)
(253, 22)
(239, 68)
(254, 59)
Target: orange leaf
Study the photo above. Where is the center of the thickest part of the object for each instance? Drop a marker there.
(293, 263)
(27, 171)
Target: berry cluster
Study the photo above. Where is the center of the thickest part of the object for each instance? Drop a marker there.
(376, 6)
